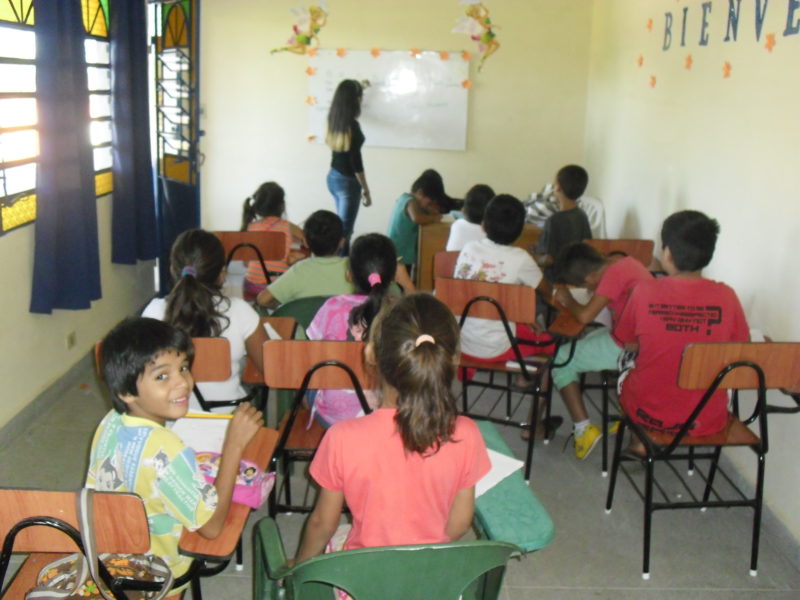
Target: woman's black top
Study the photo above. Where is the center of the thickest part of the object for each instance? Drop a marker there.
(349, 163)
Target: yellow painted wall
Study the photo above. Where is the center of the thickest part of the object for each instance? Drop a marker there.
(526, 109)
(726, 146)
(33, 347)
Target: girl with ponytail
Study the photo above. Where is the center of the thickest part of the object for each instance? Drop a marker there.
(265, 211)
(373, 262)
(408, 470)
(197, 306)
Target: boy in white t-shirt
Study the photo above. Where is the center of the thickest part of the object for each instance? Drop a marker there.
(470, 228)
(494, 259)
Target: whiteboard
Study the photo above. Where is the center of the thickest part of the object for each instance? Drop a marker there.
(411, 102)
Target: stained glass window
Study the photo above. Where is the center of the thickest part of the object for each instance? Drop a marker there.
(19, 139)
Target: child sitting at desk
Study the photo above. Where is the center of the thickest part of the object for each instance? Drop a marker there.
(323, 274)
(470, 228)
(663, 315)
(373, 262)
(264, 211)
(611, 280)
(197, 305)
(416, 484)
(425, 204)
(146, 366)
(496, 260)
(570, 224)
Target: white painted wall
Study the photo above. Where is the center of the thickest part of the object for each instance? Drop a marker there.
(33, 347)
(726, 146)
(526, 108)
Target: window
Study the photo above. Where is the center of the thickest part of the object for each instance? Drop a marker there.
(19, 139)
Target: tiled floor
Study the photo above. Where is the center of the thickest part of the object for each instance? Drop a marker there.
(594, 555)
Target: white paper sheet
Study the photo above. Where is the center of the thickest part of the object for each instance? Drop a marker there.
(202, 434)
(502, 467)
(271, 333)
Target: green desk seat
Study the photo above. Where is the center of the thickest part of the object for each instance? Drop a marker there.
(510, 512)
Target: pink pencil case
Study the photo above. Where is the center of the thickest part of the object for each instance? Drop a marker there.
(252, 486)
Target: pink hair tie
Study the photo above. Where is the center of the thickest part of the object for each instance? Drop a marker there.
(188, 270)
(424, 338)
(374, 279)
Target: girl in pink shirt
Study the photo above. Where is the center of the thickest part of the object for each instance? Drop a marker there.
(408, 470)
(264, 211)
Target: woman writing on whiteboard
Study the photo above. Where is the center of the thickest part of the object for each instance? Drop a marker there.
(346, 179)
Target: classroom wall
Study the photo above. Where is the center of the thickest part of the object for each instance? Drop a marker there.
(33, 346)
(723, 145)
(526, 107)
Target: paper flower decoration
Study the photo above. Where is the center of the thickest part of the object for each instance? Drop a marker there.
(479, 27)
(308, 22)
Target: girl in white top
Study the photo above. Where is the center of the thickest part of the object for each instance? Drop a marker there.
(197, 305)
(470, 228)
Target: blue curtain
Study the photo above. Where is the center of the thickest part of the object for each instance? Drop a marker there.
(133, 220)
(66, 264)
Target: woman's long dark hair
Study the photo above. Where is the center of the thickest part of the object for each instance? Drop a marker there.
(196, 261)
(345, 109)
(421, 371)
(269, 200)
(373, 262)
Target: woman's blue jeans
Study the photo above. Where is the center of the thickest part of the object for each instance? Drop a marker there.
(346, 193)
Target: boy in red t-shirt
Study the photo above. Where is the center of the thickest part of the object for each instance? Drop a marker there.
(611, 279)
(662, 316)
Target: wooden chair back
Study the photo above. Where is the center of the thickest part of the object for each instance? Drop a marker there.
(518, 301)
(700, 364)
(212, 359)
(284, 327)
(286, 363)
(641, 250)
(120, 520)
(444, 263)
(271, 244)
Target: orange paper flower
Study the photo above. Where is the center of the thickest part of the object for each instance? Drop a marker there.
(376, 52)
(652, 81)
(640, 60)
(312, 52)
(770, 42)
(688, 62)
(310, 100)
(444, 55)
(341, 52)
(649, 24)
(466, 55)
(726, 70)
(415, 52)
(466, 84)
(311, 71)
(311, 138)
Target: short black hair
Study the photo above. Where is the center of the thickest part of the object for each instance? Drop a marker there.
(130, 347)
(504, 219)
(691, 237)
(475, 202)
(575, 262)
(323, 231)
(572, 180)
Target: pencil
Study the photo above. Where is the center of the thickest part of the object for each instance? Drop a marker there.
(206, 416)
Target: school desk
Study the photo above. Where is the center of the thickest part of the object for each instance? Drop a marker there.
(433, 238)
(221, 548)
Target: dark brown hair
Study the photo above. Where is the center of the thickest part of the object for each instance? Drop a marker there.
(421, 373)
(193, 305)
(269, 200)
